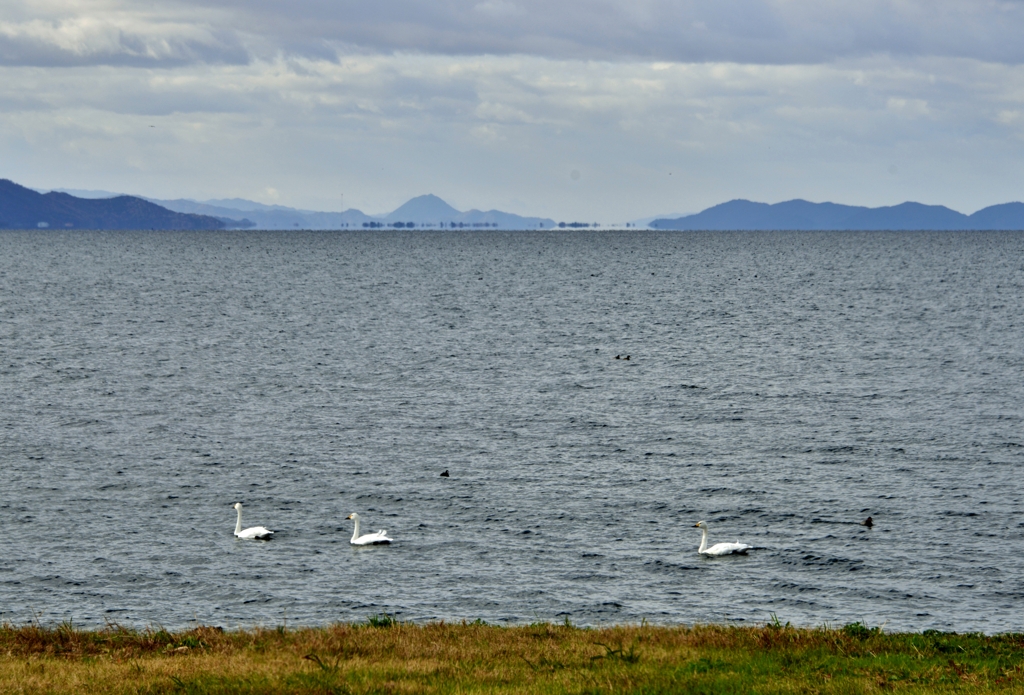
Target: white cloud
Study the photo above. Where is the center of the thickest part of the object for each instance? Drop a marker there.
(908, 108)
(90, 33)
(498, 9)
(1007, 117)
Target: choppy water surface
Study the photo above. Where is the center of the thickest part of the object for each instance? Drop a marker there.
(780, 386)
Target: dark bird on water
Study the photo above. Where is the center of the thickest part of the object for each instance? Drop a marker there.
(620, 357)
(867, 522)
(445, 474)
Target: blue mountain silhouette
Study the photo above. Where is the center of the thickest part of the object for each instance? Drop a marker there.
(23, 208)
(804, 215)
(421, 208)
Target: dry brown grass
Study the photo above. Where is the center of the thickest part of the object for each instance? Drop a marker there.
(472, 658)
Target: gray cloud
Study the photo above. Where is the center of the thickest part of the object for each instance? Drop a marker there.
(481, 131)
(658, 105)
(745, 31)
(754, 31)
(129, 52)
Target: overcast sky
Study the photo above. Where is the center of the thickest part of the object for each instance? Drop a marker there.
(597, 110)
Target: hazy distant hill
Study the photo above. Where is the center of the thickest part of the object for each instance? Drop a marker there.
(23, 208)
(801, 214)
(247, 213)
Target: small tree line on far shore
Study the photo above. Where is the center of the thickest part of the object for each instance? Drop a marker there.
(469, 225)
(411, 225)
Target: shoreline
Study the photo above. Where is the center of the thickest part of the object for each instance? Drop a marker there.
(384, 655)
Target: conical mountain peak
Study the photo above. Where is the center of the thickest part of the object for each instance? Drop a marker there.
(424, 207)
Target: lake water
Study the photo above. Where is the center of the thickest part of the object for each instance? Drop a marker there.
(780, 386)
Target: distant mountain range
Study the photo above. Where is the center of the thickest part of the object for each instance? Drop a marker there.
(23, 208)
(800, 214)
(423, 211)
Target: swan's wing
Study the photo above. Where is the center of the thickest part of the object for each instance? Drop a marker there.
(257, 532)
(728, 549)
(379, 538)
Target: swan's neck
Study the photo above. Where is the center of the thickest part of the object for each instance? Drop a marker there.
(238, 524)
(703, 540)
(355, 531)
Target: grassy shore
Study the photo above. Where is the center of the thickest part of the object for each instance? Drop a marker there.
(382, 656)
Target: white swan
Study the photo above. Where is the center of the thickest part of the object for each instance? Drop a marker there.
(736, 548)
(257, 532)
(379, 538)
